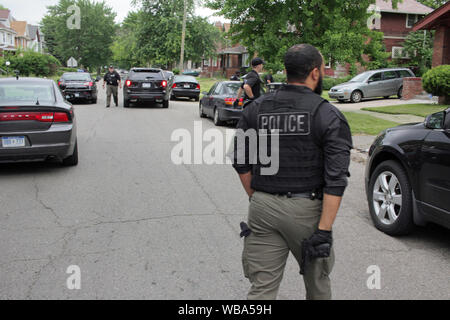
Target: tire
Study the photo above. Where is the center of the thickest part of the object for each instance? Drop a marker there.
(165, 104)
(173, 98)
(94, 101)
(73, 159)
(386, 97)
(356, 96)
(126, 103)
(197, 99)
(341, 101)
(216, 119)
(391, 205)
(400, 93)
(200, 111)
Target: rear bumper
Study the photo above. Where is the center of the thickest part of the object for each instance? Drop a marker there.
(56, 142)
(147, 96)
(74, 94)
(230, 114)
(186, 93)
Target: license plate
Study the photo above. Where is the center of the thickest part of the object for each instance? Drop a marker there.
(187, 86)
(146, 85)
(13, 142)
(77, 95)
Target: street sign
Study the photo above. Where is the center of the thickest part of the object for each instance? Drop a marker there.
(72, 63)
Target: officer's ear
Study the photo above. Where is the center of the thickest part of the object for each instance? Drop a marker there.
(316, 74)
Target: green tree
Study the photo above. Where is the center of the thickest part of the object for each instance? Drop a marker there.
(339, 28)
(158, 33)
(433, 3)
(91, 43)
(419, 46)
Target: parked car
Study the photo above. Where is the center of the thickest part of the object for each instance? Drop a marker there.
(408, 176)
(193, 73)
(371, 84)
(145, 85)
(78, 86)
(185, 87)
(36, 122)
(218, 103)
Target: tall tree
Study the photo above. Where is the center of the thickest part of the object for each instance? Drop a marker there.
(339, 28)
(91, 43)
(433, 3)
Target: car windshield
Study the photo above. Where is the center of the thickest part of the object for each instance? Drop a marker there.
(26, 92)
(77, 77)
(360, 77)
(185, 79)
(231, 88)
(144, 74)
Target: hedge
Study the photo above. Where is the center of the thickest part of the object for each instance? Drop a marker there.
(437, 81)
(30, 63)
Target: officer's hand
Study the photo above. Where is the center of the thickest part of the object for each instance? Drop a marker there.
(320, 244)
(236, 103)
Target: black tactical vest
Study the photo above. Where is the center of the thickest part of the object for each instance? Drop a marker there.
(291, 110)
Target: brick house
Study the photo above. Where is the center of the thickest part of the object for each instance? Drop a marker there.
(22, 36)
(229, 59)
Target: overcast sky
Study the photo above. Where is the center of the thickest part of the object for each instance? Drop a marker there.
(33, 10)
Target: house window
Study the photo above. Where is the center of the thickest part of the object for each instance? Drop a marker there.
(411, 20)
(214, 62)
(206, 62)
(245, 60)
(399, 53)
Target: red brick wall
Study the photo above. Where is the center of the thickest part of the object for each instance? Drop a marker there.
(394, 24)
(441, 53)
(412, 87)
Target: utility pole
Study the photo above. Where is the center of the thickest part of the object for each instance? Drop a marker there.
(183, 37)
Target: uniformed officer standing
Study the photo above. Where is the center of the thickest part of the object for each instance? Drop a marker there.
(295, 209)
(252, 83)
(113, 82)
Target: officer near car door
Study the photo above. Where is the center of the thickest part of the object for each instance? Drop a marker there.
(252, 83)
(295, 209)
(113, 82)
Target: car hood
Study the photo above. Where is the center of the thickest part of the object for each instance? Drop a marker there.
(408, 126)
(347, 85)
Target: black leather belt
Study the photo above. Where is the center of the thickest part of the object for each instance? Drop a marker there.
(306, 195)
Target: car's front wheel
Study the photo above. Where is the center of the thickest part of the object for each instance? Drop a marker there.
(390, 199)
(200, 111)
(126, 103)
(356, 96)
(165, 104)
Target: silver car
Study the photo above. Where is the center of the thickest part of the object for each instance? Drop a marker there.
(371, 84)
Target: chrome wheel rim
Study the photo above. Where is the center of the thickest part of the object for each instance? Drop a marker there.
(357, 97)
(201, 110)
(387, 198)
(216, 116)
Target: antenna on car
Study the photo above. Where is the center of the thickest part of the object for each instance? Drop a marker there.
(37, 102)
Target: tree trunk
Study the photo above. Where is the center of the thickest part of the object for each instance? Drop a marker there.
(183, 37)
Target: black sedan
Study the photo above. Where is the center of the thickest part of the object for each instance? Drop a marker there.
(36, 122)
(219, 102)
(185, 87)
(78, 86)
(408, 176)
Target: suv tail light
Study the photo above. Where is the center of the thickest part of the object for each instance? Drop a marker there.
(128, 83)
(198, 87)
(174, 85)
(164, 84)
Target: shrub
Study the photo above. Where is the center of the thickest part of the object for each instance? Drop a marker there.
(437, 81)
(329, 83)
(176, 71)
(279, 78)
(32, 63)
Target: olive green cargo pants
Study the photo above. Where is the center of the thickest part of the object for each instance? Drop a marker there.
(279, 225)
(114, 91)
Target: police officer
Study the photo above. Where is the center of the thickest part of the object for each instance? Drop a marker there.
(294, 210)
(113, 82)
(252, 83)
(268, 78)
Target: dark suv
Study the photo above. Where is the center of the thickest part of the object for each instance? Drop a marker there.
(408, 176)
(146, 85)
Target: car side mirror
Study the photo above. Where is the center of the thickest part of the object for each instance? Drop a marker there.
(435, 121)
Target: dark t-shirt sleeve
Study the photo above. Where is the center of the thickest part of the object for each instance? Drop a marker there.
(336, 139)
(251, 81)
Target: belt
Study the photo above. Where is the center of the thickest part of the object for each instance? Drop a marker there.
(306, 195)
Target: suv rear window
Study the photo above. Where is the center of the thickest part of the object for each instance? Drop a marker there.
(144, 74)
(405, 74)
(77, 76)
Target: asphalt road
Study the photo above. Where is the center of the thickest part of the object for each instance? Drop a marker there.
(140, 227)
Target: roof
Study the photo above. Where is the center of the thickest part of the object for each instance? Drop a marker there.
(439, 17)
(4, 14)
(2, 26)
(406, 6)
(234, 50)
(20, 27)
(33, 31)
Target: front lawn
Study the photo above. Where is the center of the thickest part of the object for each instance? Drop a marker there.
(366, 124)
(421, 110)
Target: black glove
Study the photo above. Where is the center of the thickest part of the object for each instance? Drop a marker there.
(245, 230)
(318, 246)
(236, 103)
